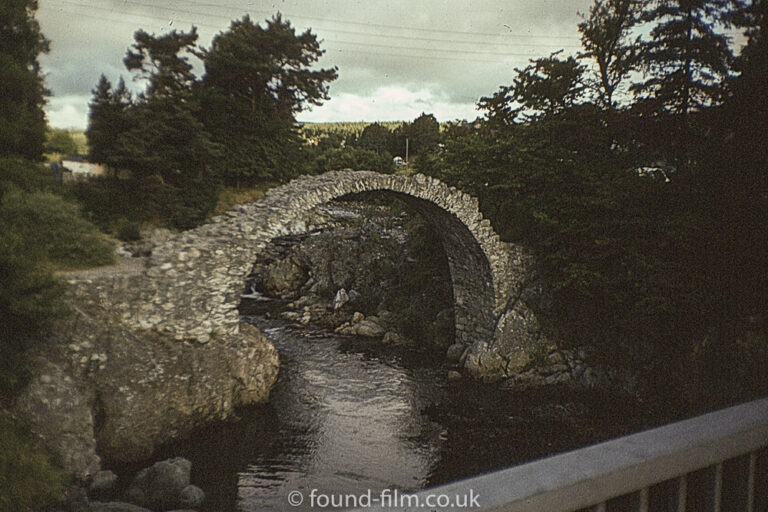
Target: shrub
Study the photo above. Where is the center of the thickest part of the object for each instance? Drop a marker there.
(40, 231)
(128, 231)
(192, 202)
(108, 200)
(28, 176)
(51, 227)
(28, 479)
(28, 302)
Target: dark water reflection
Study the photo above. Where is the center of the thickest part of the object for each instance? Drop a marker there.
(356, 423)
(340, 420)
(347, 416)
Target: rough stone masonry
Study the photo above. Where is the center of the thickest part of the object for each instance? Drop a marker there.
(190, 286)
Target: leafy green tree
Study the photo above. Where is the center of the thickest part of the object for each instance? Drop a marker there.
(422, 136)
(376, 137)
(547, 87)
(22, 120)
(256, 79)
(60, 141)
(605, 37)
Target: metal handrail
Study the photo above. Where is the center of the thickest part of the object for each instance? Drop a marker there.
(591, 476)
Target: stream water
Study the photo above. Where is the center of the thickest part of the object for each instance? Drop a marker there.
(347, 416)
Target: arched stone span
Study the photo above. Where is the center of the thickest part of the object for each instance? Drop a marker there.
(190, 286)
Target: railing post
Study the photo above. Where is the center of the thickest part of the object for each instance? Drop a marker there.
(751, 482)
(682, 493)
(643, 506)
(717, 490)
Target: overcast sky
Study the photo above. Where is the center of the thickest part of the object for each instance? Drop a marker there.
(395, 58)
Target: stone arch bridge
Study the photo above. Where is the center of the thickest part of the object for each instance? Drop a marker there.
(190, 286)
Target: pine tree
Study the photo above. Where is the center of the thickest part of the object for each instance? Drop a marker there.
(547, 87)
(22, 120)
(108, 118)
(257, 78)
(686, 60)
(605, 36)
(166, 136)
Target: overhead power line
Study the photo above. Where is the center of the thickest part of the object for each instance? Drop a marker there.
(456, 54)
(369, 24)
(367, 33)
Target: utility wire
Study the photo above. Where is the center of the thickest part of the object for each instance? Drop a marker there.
(336, 50)
(368, 24)
(356, 44)
(350, 32)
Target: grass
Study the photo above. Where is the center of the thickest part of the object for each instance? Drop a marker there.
(229, 197)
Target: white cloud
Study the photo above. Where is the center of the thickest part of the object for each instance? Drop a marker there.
(396, 59)
(68, 112)
(391, 103)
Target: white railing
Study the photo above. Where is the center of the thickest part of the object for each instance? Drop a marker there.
(711, 463)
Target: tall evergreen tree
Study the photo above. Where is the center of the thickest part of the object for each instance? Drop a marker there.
(108, 118)
(257, 78)
(166, 135)
(422, 135)
(606, 38)
(547, 87)
(686, 59)
(22, 120)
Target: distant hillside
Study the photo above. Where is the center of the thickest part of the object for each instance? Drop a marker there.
(345, 128)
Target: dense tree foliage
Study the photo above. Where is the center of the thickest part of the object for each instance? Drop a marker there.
(256, 79)
(166, 136)
(157, 138)
(107, 121)
(376, 137)
(354, 158)
(172, 145)
(22, 120)
(685, 59)
(659, 269)
(60, 141)
(421, 136)
(548, 86)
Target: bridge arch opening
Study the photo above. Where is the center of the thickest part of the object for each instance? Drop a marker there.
(471, 275)
(208, 266)
(436, 283)
(471, 280)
